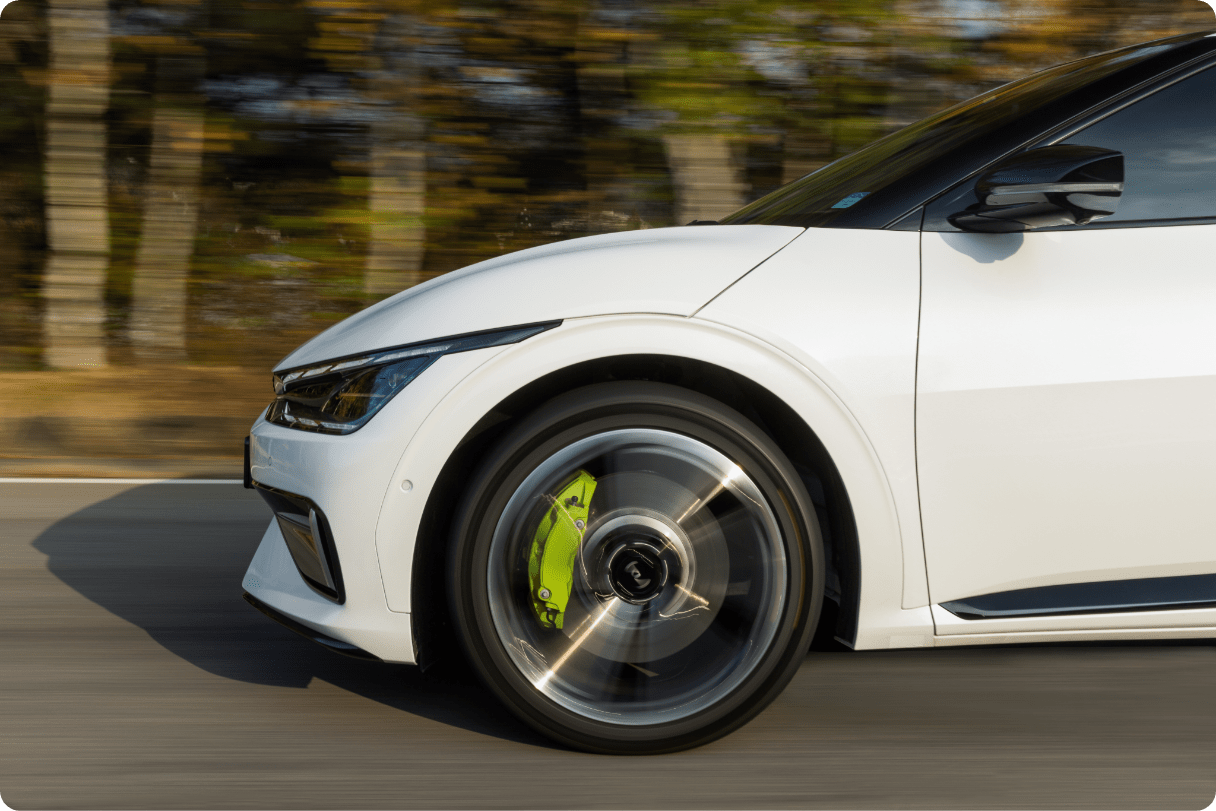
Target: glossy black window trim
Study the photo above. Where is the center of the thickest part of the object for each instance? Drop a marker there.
(1181, 74)
(937, 179)
(1105, 597)
(914, 220)
(935, 222)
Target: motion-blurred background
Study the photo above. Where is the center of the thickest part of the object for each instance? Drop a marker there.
(191, 189)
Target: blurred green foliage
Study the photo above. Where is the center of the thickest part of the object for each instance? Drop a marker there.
(532, 120)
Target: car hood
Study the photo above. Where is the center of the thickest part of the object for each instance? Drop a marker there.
(671, 271)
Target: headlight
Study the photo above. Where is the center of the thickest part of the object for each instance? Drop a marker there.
(340, 395)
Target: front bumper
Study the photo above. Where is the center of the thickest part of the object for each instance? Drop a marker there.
(346, 479)
(335, 645)
(275, 583)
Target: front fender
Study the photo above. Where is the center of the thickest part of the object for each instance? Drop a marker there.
(885, 562)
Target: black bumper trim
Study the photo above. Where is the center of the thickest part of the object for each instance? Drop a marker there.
(335, 645)
(247, 478)
(280, 501)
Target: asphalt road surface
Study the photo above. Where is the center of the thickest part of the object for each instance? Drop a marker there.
(132, 675)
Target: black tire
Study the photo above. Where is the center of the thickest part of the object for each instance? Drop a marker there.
(650, 664)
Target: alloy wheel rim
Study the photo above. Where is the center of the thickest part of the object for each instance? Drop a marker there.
(678, 583)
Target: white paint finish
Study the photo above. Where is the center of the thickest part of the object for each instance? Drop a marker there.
(949, 625)
(586, 339)
(662, 270)
(347, 477)
(356, 465)
(844, 304)
(1067, 386)
(889, 626)
(272, 577)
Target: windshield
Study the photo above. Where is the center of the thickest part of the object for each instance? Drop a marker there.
(856, 185)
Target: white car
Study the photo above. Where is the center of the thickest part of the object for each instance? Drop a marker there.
(957, 388)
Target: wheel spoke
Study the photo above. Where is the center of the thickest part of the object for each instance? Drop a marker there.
(582, 633)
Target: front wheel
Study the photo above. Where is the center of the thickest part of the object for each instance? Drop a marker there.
(636, 569)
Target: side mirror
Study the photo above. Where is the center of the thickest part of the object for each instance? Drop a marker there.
(1054, 185)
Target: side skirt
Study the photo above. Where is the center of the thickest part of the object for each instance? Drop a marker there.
(1097, 635)
(1112, 596)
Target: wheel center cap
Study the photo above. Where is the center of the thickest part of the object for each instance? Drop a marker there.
(636, 571)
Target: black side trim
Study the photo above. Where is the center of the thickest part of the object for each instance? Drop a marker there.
(335, 645)
(280, 501)
(1147, 594)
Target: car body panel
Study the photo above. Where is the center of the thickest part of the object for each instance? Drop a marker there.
(273, 579)
(346, 477)
(1005, 411)
(844, 304)
(663, 270)
(1067, 382)
(882, 616)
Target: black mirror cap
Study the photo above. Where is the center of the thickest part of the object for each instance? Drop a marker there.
(1052, 186)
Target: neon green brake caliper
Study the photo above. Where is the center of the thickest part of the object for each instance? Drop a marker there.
(554, 547)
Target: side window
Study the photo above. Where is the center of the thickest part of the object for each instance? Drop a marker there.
(1169, 145)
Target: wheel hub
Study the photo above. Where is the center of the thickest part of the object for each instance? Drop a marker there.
(637, 572)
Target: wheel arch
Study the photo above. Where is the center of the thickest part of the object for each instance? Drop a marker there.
(791, 432)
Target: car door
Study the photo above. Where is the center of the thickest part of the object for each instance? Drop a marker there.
(1066, 387)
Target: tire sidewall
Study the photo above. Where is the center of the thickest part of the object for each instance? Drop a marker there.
(594, 410)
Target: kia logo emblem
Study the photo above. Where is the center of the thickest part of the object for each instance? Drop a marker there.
(636, 573)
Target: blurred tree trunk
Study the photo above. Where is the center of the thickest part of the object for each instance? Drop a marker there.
(690, 68)
(600, 58)
(397, 201)
(706, 176)
(162, 264)
(397, 197)
(76, 191)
